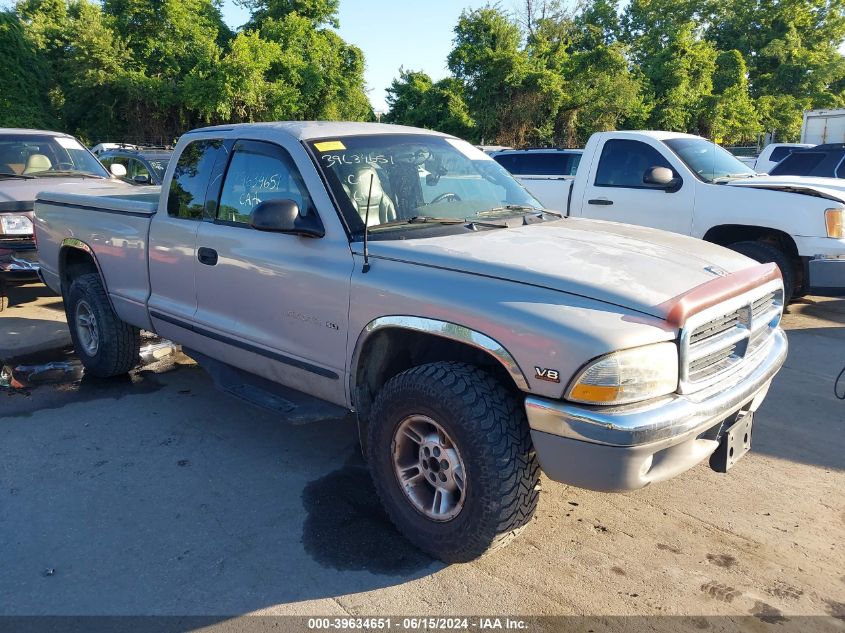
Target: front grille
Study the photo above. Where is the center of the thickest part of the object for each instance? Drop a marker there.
(721, 338)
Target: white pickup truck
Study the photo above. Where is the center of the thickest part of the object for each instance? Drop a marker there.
(686, 184)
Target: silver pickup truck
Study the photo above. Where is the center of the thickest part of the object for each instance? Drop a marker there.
(318, 268)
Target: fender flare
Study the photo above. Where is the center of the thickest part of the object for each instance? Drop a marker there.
(77, 244)
(443, 329)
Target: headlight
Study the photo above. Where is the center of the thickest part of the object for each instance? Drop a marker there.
(834, 220)
(15, 225)
(627, 376)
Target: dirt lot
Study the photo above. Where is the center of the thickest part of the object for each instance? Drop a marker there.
(158, 495)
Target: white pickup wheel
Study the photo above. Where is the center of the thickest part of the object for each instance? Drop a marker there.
(766, 253)
(106, 346)
(450, 453)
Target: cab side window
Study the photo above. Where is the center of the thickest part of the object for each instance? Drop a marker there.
(259, 172)
(188, 187)
(116, 160)
(623, 163)
(138, 172)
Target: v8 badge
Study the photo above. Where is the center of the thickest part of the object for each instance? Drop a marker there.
(550, 375)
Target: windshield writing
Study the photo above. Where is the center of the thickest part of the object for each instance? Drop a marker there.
(394, 180)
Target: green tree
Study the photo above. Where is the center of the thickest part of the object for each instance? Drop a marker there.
(317, 12)
(729, 114)
(413, 99)
(24, 100)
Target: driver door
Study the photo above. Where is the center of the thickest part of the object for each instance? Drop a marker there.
(616, 192)
(273, 304)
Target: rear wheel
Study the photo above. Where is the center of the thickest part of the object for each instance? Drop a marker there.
(451, 458)
(766, 253)
(106, 346)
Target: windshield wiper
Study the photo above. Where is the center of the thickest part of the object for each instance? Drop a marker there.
(21, 176)
(728, 177)
(418, 219)
(505, 208)
(71, 172)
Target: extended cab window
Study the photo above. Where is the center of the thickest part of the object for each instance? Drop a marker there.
(540, 163)
(259, 172)
(779, 153)
(623, 163)
(186, 198)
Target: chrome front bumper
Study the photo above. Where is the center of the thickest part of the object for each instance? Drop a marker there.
(628, 447)
(827, 274)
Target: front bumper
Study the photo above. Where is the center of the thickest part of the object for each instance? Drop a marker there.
(18, 261)
(628, 447)
(827, 275)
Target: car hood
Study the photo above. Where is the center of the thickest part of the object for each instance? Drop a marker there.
(830, 188)
(629, 266)
(18, 194)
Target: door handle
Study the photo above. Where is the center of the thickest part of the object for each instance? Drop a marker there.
(207, 256)
(600, 201)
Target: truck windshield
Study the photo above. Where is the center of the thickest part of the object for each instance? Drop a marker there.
(392, 180)
(707, 160)
(37, 156)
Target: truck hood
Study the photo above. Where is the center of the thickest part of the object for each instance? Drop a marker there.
(18, 194)
(830, 188)
(629, 266)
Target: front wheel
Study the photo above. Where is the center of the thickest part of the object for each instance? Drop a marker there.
(106, 346)
(451, 458)
(766, 253)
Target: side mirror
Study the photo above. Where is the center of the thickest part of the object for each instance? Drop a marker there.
(117, 170)
(662, 177)
(141, 179)
(283, 216)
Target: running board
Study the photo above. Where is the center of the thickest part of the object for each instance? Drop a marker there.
(294, 406)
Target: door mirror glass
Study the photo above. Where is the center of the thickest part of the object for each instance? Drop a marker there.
(662, 177)
(658, 176)
(283, 216)
(141, 179)
(117, 170)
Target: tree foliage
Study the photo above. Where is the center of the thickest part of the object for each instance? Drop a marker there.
(147, 70)
(728, 69)
(24, 98)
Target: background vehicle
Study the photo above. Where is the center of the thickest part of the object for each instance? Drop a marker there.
(405, 275)
(686, 184)
(772, 154)
(823, 126)
(537, 169)
(32, 160)
(143, 166)
(99, 148)
(820, 161)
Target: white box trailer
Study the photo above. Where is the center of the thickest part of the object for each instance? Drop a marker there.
(823, 126)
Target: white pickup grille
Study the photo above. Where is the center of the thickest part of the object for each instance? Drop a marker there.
(721, 339)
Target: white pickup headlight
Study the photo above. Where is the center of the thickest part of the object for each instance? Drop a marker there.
(834, 220)
(627, 376)
(15, 225)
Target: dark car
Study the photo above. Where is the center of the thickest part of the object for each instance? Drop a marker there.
(823, 161)
(144, 166)
(32, 161)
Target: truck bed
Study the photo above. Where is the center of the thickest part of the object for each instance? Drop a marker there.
(114, 227)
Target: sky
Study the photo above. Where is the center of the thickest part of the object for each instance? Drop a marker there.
(411, 33)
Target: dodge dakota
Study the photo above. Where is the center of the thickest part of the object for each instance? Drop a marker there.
(320, 268)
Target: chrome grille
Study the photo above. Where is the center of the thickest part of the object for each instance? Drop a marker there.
(722, 338)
